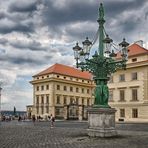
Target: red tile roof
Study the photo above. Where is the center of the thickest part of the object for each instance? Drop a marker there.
(134, 50)
(65, 70)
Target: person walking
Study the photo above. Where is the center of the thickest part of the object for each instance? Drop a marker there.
(52, 120)
(33, 119)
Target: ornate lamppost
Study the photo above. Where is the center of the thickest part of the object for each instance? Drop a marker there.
(102, 64)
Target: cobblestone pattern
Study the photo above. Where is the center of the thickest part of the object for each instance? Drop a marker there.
(35, 136)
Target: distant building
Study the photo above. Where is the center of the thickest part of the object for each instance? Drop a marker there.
(129, 88)
(63, 91)
(11, 113)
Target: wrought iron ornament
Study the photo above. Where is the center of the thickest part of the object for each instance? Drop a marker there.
(103, 63)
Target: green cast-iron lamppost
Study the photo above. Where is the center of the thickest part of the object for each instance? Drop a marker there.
(103, 63)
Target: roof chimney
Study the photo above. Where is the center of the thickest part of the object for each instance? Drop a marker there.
(140, 43)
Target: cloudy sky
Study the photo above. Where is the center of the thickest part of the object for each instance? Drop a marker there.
(34, 34)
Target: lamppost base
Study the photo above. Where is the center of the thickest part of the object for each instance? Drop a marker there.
(101, 122)
(101, 106)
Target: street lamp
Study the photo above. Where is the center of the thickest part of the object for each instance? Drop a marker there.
(103, 63)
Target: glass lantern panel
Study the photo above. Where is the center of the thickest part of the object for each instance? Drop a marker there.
(76, 54)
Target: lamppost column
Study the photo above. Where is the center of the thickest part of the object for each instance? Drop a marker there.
(101, 22)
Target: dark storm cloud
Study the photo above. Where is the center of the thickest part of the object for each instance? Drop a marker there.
(24, 28)
(73, 11)
(114, 8)
(17, 16)
(24, 59)
(22, 6)
(80, 11)
(55, 17)
(146, 15)
(2, 15)
(32, 45)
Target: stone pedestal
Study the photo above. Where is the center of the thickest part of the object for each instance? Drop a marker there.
(101, 122)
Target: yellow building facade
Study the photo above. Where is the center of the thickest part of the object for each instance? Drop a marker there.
(129, 88)
(63, 91)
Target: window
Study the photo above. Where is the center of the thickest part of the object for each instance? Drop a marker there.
(134, 113)
(42, 110)
(47, 76)
(121, 77)
(64, 77)
(42, 87)
(134, 60)
(134, 95)
(71, 100)
(88, 91)
(47, 99)
(87, 81)
(57, 111)
(77, 100)
(58, 76)
(82, 101)
(58, 87)
(82, 80)
(122, 95)
(65, 100)
(134, 76)
(77, 112)
(37, 77)
(42, 99)
(71, 88)
(77, 89)
(122, 113)
(42, 77)
(82, 90)
(37, 99)
(47, 87)
(88, 102)
(58, 99)
(37, 110)
(65, 88)
(111, 95)
(37, 88)
(47, 109)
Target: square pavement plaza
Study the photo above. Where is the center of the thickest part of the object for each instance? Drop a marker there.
(69, 134)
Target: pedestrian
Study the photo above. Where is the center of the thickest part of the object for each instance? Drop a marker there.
(52, 120)
(33, 119)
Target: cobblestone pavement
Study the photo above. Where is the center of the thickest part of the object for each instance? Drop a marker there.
(27, 135)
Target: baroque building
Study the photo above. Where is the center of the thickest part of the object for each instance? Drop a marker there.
(129, 88)
(63, 91)
(66, 92)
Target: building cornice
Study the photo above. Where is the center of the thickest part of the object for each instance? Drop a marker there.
(33, 82)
